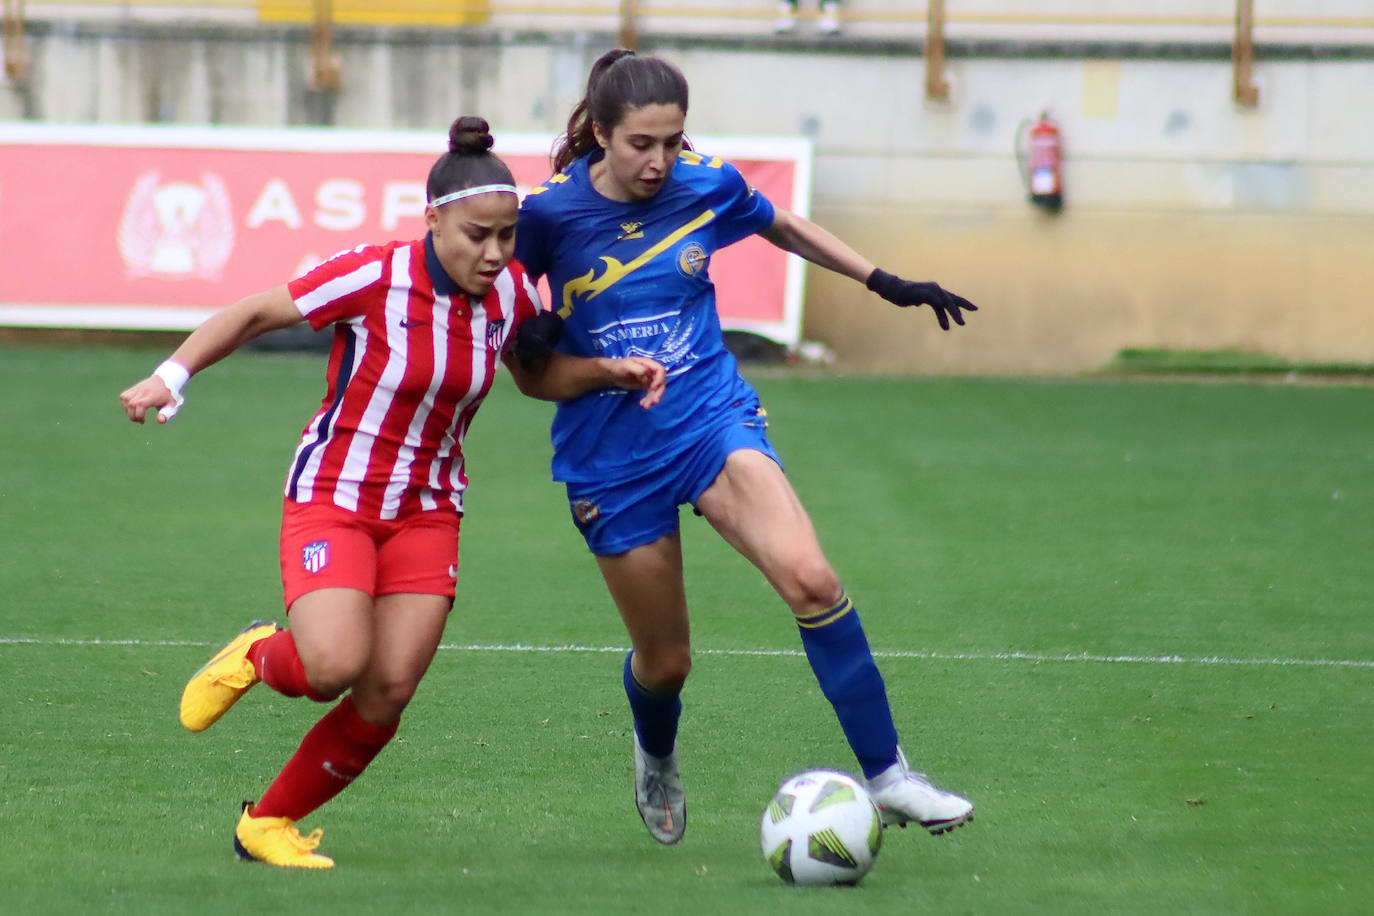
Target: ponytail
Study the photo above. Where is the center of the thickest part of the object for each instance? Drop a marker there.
(619, 81)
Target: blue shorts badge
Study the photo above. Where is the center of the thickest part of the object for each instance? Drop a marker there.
(585, 511)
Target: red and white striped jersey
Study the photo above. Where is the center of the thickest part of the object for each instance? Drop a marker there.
(412, 359)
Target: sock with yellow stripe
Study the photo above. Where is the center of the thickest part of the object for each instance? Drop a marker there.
(839, 654)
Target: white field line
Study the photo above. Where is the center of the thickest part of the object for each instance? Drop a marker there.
(795, 653)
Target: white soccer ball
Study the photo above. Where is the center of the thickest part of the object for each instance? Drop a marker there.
(821, 827)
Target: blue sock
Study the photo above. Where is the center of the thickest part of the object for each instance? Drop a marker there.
(656, 714)
(838, 651)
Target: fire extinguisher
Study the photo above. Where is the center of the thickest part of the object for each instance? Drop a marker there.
(1040, 156)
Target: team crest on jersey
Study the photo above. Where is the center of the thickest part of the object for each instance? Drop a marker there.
(691, 260)
(315, 556)
(585, 511)
(176, 229)
(494, 329)
(629, 231)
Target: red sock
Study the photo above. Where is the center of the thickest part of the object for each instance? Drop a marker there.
(279, 666)
(333, 754)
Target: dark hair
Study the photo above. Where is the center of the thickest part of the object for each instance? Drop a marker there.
(619, 81)
(469, 161)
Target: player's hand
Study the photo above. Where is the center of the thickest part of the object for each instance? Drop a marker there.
(901, 292)
(150, 394)
(639, 373)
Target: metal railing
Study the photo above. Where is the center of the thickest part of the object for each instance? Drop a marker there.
(1127, 13)
(931, 24)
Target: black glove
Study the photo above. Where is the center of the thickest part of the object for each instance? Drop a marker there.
(908, 292)
(535, 339)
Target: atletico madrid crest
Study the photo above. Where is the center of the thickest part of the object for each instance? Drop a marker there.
(315, 556)
(494, 329)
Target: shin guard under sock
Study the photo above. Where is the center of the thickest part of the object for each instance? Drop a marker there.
(278, 665)
(333, 754)
(656, 714)
(839, 654)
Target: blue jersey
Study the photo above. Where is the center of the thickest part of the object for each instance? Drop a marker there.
(630, 279)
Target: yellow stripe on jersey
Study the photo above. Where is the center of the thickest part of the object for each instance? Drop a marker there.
(593, 286)
(691, 157)
(557, 179)
(827, 617)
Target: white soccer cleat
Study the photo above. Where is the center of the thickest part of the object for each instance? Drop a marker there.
(659, 795)
(904, 795)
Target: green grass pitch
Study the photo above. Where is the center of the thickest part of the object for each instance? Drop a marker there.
(1130, 620)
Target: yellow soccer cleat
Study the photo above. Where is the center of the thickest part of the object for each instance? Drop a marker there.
(273, 840)
(225, 678)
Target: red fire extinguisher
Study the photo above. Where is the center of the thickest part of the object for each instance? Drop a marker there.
(1040, 155)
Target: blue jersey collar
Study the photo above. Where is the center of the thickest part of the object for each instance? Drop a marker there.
(443, 283)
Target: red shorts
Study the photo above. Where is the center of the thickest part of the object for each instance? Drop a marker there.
(323, 546)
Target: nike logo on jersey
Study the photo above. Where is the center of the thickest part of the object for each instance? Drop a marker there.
(413, 322)
(589, 285)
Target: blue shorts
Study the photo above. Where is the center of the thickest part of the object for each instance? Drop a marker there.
(617, 515)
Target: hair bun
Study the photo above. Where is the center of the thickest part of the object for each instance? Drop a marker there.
(470, 136)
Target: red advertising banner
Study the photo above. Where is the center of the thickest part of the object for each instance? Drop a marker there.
(156, 227)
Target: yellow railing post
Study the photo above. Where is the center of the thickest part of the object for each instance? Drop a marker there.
(629, 24)
(937, 87)
(326, 71)
(16, 52)
(1243, 55)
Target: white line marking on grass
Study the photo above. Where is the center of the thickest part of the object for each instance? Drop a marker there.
(791, 653)
(964, 656)
(59, 641)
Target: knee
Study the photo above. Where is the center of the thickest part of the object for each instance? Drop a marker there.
(810, 586)
(663, 669)
(381, 702)
(331, 675)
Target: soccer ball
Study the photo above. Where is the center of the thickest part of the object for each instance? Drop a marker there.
(821, 827)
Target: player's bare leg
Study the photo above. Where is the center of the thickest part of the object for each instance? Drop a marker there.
(380, 650)
(333, 634)
(753, 506)
(406, 632)
(646, 584)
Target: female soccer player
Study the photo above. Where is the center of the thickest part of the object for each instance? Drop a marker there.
(374, 495)
(624, 231)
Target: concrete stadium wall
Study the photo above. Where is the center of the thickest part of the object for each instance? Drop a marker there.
(1189, 223)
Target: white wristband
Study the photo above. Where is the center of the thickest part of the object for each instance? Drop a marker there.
(175, 376)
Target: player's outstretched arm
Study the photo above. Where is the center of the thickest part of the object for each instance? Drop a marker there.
(221, 334)
(800, 236)
(561, 377)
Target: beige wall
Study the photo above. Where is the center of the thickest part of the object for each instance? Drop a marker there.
(1066, 293)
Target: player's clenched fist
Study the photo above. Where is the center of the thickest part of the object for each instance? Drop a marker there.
(160, 391)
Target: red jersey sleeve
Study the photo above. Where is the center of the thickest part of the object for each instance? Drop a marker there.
(527, 303)
(339, 288)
